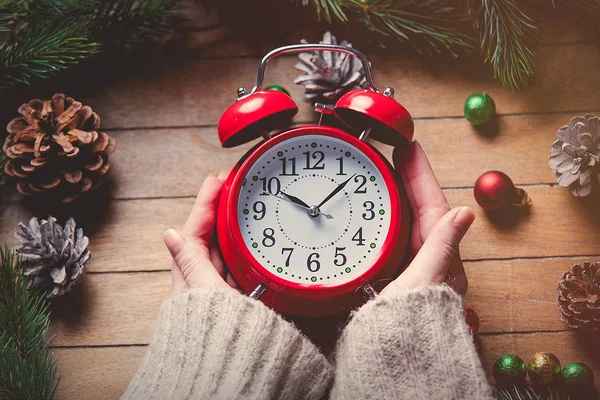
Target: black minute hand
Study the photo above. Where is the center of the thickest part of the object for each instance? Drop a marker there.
(335, 191)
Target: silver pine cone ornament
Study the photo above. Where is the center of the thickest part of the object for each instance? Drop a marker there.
(328, 75)
(575, 155)
(53, 256)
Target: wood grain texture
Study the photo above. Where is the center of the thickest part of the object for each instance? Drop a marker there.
(121, 309)
(110, 309)
(125, 235)
(196, 93)
(103, 373)
(557, 225)
(517, 295)
(96, 373)
(174, 162)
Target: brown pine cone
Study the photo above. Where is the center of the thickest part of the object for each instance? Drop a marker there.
(579, 296)
(55, 148)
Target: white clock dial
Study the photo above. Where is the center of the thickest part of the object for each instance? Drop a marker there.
(294, 231)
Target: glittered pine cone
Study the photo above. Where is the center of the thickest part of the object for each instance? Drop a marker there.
(575, 155)
(53, 256)
(579, 296)
(55, 148)
(328, 75)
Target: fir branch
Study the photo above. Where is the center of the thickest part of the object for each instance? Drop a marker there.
(2, 173)
(27, 367)
(591, 6)
(328, 8)
(126, 23)
(39, 38)
(42, 51)
(508, 39)
(428, 26)
(527, 393)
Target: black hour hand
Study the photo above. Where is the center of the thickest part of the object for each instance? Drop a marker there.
(295, 200)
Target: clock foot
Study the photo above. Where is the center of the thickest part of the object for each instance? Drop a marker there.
(258, 291)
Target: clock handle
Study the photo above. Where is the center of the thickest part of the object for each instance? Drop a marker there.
(258, 291)
(298, 48)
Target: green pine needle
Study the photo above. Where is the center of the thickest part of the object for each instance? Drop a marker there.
(508, 39)
(43, 50)
(2, 173)
(39, 38)
(527, 393)
(428, 26)
(27, 367)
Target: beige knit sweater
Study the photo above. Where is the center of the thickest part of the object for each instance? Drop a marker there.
(217, 344)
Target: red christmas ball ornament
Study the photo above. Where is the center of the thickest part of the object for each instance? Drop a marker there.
(495, 190)
(472, 319)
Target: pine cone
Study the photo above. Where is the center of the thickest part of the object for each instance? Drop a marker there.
(55, 148)
(575, 155)
(328, 74)
(53, 256)
(579, 296)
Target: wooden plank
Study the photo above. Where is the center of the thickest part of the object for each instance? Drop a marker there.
(124, 235)
(168, 163)
(517, 295)
(567, 346)
(557, 225)
(198, 92)
(173, 162)
(96, 373)
(110, 309)
(113, 367)
(121, 309)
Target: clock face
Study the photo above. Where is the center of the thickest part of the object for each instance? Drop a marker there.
(314, 210)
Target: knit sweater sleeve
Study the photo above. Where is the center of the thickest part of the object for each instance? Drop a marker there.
(410, 346)
(215, 343)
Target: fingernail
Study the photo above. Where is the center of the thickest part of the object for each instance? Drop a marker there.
(173, 239)
(222, 176)
(464, 218)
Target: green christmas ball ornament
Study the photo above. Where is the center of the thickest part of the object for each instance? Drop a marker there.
(278, 88)
(479, 108)
(543, 368)
(509, 369)
(577, 374)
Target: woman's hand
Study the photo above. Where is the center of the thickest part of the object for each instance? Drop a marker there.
(196, 257)
(436, 231)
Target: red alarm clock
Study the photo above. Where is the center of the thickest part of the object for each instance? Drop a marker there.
(311, 215)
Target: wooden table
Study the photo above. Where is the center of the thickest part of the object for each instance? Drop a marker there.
(164, 122)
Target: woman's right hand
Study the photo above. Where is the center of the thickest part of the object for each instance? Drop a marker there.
(436, 231)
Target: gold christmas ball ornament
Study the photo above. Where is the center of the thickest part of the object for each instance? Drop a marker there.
(543, 368)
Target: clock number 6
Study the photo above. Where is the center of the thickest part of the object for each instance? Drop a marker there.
(269, 240)
(312, 264)
(338, 253)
